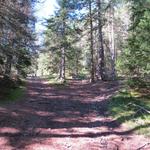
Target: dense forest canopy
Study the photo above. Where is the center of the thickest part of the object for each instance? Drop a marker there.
(16, 36)
(94, 39)
(99, 39)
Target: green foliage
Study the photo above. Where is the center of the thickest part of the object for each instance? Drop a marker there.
(12, 90)
(55, 82)
(16, 37)
(137, 83)
(131, 109)
(15, 94)
(136, 56)
(62, 33)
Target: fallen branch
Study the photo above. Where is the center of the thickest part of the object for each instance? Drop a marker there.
(142, 108)
(143, 146)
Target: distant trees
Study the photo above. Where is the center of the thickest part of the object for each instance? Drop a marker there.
(93, 34)
(59, 39)
(78, 21)
(16, 36)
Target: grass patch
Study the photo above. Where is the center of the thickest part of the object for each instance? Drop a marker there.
(15, 94)
(9, 95)
(131, 108)
(57, 83)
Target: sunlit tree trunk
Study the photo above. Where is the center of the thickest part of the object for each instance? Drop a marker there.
(62, 69)
(91, 42)
(101, 60)
(63, 44)
(112, 41)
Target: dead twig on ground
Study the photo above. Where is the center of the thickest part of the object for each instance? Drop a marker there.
(143, 146)
(141, 108)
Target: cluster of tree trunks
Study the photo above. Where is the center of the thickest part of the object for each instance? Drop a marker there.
(67, 23)
(101, 71)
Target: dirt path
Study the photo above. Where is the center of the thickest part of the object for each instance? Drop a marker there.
(74, 117)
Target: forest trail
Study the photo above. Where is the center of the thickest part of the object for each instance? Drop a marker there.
(71, 117)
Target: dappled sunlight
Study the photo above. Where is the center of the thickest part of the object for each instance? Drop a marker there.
(3, 110)
(44, 113)
(14, 114)
(9, 130)
(74, 75)
(4, 143)
(50, 114)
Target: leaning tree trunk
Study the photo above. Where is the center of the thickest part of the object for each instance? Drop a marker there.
(101, 60)
(91, 43)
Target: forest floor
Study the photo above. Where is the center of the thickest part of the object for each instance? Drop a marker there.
(70, 117)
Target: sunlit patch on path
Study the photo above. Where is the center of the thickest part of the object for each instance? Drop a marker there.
(74, 117)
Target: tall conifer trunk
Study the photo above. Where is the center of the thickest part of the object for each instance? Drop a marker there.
(63, 46)
(112, 41)
(101, 63)
(91, 43)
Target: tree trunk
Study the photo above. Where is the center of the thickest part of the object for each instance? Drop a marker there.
(62, 70)
(8, 66)
(77, 65)
(112, 41)
(91, 43)
(63, 63)
(101, 60)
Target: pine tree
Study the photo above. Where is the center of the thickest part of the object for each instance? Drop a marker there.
(136, 57)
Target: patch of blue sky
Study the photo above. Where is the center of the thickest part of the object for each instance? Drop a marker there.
(43, 10)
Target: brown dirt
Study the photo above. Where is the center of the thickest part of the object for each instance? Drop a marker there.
(73, 117)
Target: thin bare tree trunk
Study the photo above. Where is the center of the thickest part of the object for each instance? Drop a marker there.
(8, 65)
(77, 65)
(62, 70)
(63, 63)
(91, 43)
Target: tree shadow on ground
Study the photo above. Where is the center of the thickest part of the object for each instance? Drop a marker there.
(67, 111)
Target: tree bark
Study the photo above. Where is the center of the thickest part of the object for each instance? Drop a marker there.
(62, 70)
(8, 66)
(63, 63)
(91, 43)
(101, 60)
(112, 41)
(77, 65)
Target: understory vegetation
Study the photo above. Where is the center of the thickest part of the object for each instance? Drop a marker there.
(12, 90)
(132, 109)
(14, 95)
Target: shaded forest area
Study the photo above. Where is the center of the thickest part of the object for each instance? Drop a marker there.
(93, 53)
(17, 46)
